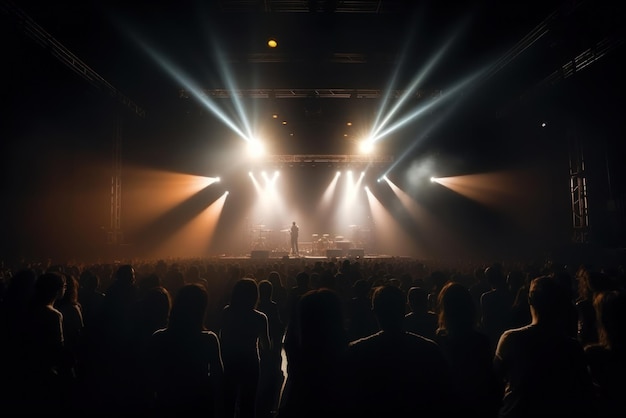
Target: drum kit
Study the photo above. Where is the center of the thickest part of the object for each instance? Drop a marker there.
(260, 237)
(321, 244)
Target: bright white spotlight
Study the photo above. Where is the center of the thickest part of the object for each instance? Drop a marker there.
(432, 179)
(255, 148)
(366, 146)
(217, 179)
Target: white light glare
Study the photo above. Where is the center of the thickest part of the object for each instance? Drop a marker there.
(255, 148)
(366, 146)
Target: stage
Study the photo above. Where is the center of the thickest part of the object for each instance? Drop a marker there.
(329, 256)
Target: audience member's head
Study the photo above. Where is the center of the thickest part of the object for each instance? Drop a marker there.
(274, 278)
(89, 280)
(417, 298)
(125, 274)
(321, 321)
(49, 287)
(265, 290)
(457, 312)
(302, 279)
(389, 306)
(610, 307)
(495, 276)
(547, 299)
(245, 294)
(189, 308)
(156, 306)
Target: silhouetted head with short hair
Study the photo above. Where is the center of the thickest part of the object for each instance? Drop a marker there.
(125, 274)
(274, 277)
(417, 299)
(321, 322)
(302, 279)
(48, 287)
(548, 300)
(245, 294)
(495, 276)
(389, 306)
(265, 290)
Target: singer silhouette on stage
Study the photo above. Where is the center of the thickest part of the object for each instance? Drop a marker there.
(294, 238)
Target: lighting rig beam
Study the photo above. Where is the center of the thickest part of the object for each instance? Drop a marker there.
(330, 159)
(324, 93)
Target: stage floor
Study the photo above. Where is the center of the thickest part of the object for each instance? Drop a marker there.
(270, 256)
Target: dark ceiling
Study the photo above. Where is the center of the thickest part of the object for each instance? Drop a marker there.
(337, 49)
(333, 62)
(321, 44)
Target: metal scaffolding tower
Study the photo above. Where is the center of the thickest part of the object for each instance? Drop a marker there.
(578, 190)
(60, 52)
(115, 234)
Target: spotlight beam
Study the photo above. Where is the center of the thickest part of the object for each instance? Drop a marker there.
(413, 86)
(442, 99)
(229, 82)
(392, 82)
(192, 87)
(390, 234)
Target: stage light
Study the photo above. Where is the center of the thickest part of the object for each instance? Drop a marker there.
(432, 179)
(255, 148)
(366, 147)
(272, 43)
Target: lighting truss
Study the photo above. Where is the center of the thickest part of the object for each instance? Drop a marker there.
(333, 160)
(323, 93)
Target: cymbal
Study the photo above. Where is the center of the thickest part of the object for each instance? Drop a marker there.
(284, 230)
(260, 226)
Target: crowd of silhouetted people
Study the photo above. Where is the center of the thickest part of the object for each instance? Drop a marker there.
(392, 337)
